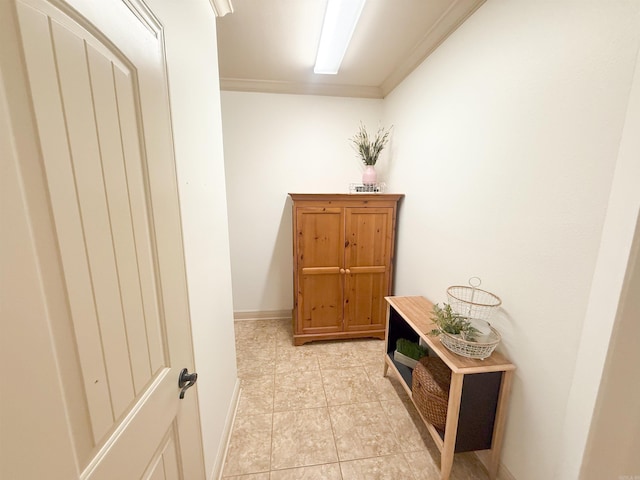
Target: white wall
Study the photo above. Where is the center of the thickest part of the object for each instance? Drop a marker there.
(274, 145)
(614, 436)
(506, 142)
(611, 313)
(190, 38)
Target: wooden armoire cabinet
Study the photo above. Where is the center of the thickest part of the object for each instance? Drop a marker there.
(343, 247)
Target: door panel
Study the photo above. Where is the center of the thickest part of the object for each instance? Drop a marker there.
(365, 301)
(102, 115)
(37, 35)
(320, 238)
(322, 305)
(100, 248)
(369, 233)
(367, 260)
(165, 466)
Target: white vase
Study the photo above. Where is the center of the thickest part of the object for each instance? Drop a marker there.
(369, 176)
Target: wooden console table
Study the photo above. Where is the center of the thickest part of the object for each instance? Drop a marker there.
(479, 389)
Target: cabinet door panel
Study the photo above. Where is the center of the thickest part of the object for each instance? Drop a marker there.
(369, 234)
(320, 237)
(364, 301)
(320, 256)
(321, 303)
(368, 244)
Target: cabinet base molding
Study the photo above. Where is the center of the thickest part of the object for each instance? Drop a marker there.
(302, 339)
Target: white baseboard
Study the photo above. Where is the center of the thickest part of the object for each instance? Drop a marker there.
(226, 434)
(503, 472)
(262, 315)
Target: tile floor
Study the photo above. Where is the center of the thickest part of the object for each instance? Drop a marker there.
(324, 411)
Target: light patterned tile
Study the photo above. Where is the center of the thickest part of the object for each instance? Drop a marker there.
(425, 467)
(329, 471)
(341, 359)
(368, 345)
(250, 446)
(255, 330)
(250, 367)
(385, 387)
(298, 390)
(390, 467)
(466, 466)
(284, 332)
(329, 346)
(253, 476)
(263, 349)
(348, 385)
(410, 431)
(302, 438)
(261, 325)
(371, 357)
(256, 396)
(284, 337)
(362, 430)
(258, 385)
(291, 359)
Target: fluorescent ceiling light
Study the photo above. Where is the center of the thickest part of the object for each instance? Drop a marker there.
(340, 21)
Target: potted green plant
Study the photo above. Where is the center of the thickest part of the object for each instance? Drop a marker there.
(369, 149)
(408, 353)
(452, 323)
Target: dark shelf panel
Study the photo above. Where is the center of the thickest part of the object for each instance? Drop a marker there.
(405, 372)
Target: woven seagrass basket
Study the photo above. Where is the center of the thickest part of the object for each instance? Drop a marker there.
(430, 390)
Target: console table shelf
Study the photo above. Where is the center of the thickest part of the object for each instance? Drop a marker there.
(475, 413)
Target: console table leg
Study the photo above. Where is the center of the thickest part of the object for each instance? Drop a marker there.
(451, 429)
(498, 429)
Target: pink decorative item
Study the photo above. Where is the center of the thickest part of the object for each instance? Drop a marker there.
(369, 176)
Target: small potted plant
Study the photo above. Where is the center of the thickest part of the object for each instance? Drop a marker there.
(408, 353)
(369, 150)
(452, 323)
(469, 337)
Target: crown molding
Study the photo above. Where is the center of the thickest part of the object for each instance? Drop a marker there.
(221, 7)
(274, 86)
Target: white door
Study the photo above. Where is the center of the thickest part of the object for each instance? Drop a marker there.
(95, 75)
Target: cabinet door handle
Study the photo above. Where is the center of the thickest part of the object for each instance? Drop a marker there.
(348, 271)
(342, 271)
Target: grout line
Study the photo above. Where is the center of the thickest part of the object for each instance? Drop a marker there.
(273, 405)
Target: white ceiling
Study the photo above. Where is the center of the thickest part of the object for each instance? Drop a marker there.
(270, 45)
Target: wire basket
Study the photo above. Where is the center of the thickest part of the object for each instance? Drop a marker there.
(472, 302)
(470, 349)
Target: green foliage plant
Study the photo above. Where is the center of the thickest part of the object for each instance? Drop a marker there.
(369, 149)
(410, 349)
(453, 323)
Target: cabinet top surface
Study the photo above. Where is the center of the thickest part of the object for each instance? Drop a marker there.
(346, 196)
(416, 311)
